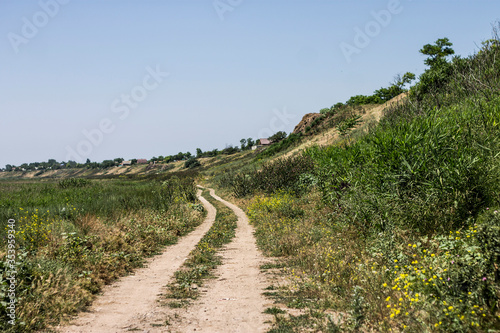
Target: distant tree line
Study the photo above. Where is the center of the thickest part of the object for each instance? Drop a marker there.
(191, 160)
(53, 164)
(379, 96)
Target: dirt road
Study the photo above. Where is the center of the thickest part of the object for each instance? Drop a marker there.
(232, 303)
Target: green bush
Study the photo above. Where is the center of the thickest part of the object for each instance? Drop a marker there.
(74, 182)
(192, 163)
(281, 174)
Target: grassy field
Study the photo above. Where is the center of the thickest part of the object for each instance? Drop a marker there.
(75, 235)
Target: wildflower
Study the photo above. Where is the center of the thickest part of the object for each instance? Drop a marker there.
(484, 279)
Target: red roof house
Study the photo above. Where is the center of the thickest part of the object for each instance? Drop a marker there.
(265, 142)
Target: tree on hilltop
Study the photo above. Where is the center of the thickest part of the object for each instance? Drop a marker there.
(277, 137)
(438, 52)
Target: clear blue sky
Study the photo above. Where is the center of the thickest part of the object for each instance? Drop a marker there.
(236, 68)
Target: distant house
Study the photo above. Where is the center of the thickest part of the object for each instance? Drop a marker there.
(142, 161)
(265, 142)
(126, 163)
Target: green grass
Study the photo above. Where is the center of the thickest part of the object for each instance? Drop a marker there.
(74, 236)
(274, 311)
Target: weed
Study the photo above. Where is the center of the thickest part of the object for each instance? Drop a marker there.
(274, 311)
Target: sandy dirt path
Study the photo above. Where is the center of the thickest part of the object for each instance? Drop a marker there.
(233, 302)
(126, 303)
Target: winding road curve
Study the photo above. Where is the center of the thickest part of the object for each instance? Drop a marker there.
(231, 303)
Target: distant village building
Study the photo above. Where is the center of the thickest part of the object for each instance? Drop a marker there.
(126, 163)
(263, 143)
(142, 161)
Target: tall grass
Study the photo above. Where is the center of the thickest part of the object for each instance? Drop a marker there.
(431, 173)
(405, 237)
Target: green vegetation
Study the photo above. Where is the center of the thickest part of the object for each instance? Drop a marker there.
(192, 163)
(396, 88)
(273, 176)
(397, 229)
(75, 235)
(290, 141)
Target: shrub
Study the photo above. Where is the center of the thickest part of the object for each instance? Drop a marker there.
(451, 278)
(281, 174)
(74, 182)
(192, 163)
